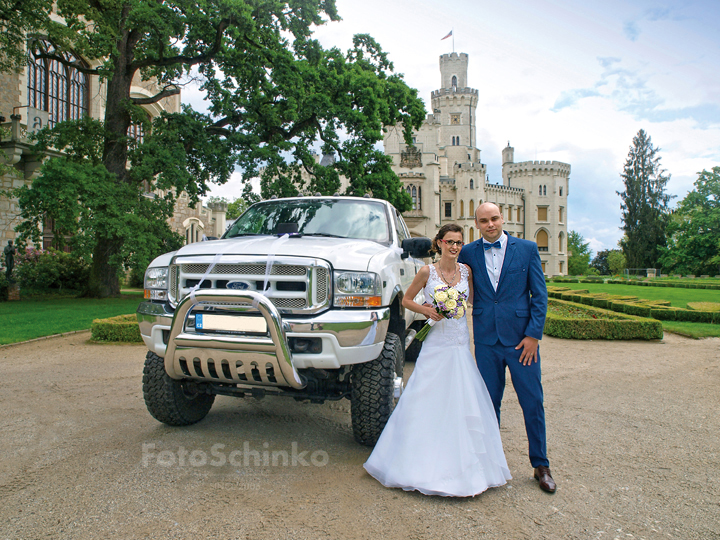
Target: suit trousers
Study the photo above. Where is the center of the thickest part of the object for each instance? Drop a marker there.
(491, 361)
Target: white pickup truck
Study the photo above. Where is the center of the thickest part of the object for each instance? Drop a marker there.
(301, 297)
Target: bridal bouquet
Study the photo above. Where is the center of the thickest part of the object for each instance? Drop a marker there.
(448, 302)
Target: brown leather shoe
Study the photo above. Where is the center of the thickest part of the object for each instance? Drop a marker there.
(542, 475)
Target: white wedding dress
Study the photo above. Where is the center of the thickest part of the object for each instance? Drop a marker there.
(443, 437)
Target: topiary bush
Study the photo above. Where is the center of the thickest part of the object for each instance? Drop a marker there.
(123, 328)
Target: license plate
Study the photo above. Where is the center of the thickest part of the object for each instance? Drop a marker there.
(228, 323)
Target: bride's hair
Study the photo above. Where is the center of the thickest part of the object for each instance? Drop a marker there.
(450, 227)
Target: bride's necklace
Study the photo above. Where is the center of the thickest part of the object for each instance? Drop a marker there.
(452, 279)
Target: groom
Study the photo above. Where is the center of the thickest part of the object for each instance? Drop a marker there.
(509, 306)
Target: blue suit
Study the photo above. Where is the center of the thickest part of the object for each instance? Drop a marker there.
(501, 319)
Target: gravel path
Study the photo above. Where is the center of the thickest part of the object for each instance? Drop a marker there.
(633, 441)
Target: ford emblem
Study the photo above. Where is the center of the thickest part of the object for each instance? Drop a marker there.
(238, 285)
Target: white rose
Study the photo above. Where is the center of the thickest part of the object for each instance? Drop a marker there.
(451, 304)
(452, 293)
(441, 296)
(460, 313)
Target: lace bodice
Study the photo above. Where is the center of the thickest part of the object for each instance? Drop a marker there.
(450, 331)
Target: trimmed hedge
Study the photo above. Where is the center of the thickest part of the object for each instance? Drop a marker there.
(600, 324)
(123, 328)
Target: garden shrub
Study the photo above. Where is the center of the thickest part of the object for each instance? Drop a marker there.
(694, 316)
(3, 287)
(51, 271)
(122, 328)
(598, 324)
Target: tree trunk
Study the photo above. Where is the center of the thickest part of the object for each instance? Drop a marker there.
(105, 271)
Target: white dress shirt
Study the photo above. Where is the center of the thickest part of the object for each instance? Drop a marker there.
(494, 258)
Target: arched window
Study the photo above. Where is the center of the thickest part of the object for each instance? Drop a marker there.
(471, 236)
(560, 243)
(53, 87)
(544, 190)
(458, 140)
(419, 198)
(561, 191)
(454, 81)
(540, 190)
(542, 240)
(414, 197)
(471, 208)
(462, 208)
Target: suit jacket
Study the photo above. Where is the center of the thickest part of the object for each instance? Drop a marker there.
(518, 307)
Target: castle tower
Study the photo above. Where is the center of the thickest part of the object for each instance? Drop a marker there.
(454, 104)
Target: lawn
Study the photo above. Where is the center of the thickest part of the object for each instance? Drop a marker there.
(678, 297)
(29, 319)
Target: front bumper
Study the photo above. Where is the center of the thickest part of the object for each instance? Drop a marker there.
(348, 337)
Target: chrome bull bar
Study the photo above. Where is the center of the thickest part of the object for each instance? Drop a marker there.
(230, 358)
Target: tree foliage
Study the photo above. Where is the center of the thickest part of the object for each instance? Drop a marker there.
(275, 94)
(18, 18)
(644, 204)
(579, 260)
(693, 233)
(600, 262)
(616, 262)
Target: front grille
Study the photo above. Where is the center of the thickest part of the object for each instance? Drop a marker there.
(293, 288)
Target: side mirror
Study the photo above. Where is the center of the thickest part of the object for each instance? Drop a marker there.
(418, 248)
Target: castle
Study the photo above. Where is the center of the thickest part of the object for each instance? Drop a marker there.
(443, 173)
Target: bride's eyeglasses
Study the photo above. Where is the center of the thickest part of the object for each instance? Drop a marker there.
(451, 243)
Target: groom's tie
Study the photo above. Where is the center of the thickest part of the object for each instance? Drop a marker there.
(495, 244)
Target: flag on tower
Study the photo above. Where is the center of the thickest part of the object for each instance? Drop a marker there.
(450, 34)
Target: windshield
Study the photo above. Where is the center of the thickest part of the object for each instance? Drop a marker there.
(365, 220)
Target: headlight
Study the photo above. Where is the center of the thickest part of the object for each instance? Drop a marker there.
(357, 289)
(156, 283)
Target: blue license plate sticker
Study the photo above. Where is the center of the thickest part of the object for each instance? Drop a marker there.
(199, 321)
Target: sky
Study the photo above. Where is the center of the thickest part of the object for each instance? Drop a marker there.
(564, 80)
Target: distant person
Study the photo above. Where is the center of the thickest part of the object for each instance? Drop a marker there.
(9, 253)
(509, 308)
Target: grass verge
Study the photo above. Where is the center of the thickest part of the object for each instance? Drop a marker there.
(30, 319)
(692, 329)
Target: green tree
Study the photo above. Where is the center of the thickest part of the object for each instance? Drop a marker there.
(579, 259)
(275, 95)
(616, 262)
(18, 18)
(693, 234)
(644, 204)
(600, 262)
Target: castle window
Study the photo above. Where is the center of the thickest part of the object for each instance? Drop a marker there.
(414, 197)
(544, 190)
(53, 87)
(448, 209)
(509, 213)
(543, 263)
(560, 243)
(454, 81)
(560, 266)
(540, 190)
(560, 215)
(471, 236)
(419, 198)
(462, 208)
(542, 213)
(561, 191)
(472, 184)
(542, 240)
(471, 208)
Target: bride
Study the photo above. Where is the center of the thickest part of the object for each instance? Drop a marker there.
(443, 436)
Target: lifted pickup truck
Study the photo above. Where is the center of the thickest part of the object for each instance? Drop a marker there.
(301, 297)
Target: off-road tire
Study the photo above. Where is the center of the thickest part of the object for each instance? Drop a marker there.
(169, 401)
(413, 351)
(372, 399)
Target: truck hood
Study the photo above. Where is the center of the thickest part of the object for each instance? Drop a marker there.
(341, 253)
